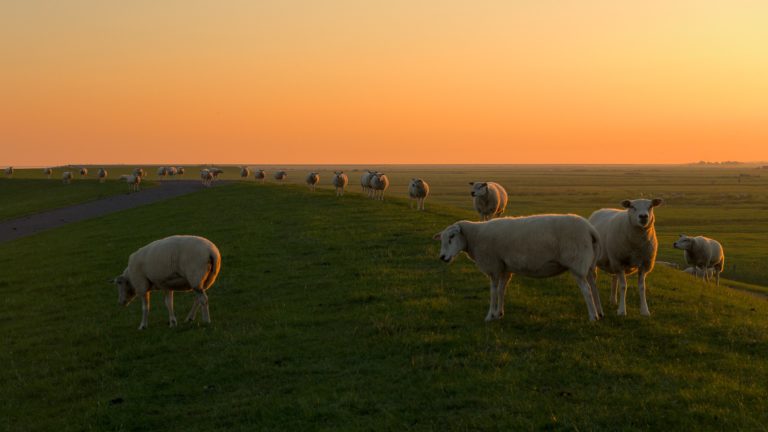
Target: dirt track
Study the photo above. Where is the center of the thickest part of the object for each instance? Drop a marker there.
(33, 224)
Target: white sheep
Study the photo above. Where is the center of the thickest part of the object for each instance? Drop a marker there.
(489, 199)
(176, 263)
(418, 190)
(312, 180)
(48, 172)
(695, 271)
(103, 173)
(84, 172)
(536, 246)
(379, 183)
(138, 172)
(703, 253)
(216, 172)
(245, 173)
(66, 177)
(281, 175)
(162, 171)
(9, 172)
(629, 245)
(133, 181)
(172, 171)
(259, 175)
(206, 176)
(340, 181)
(365, 182)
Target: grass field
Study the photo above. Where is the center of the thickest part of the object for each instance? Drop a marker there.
(336, 314)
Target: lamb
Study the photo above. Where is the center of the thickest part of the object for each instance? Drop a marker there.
(139, 172)
(418, 190)
(48, 172)
(629, 245)
(162, 171)
(84, 172)
(259, 175)
(489, 199)
(103, 173)
(536, 246)
(379, 183)
(9, 172)
(245, 173)
(702, 253)
(66, 177)
(340, 181)
(365, 182)
(133, 181)
(281, 175)
(312, 180)
(175, 263)
(207, 177)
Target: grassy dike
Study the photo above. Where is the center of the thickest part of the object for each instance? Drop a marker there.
(335, 314)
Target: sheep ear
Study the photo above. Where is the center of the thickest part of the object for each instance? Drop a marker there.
(485, 184)
(657, 202)
(626, 203)
(471, 183)
(437, 236)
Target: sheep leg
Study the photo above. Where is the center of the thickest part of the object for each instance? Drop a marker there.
(592, 280)
(193, 312)
(202, 300)
(622, 278)
(614, 290)
(500, 290)
(641, 290)
(586, 291)
(144, 311)
(492, 307)
(169, 305)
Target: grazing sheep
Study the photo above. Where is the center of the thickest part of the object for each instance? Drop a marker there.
(9, 172)
(703, 253)
(629, 245)
(176, 263)
(207, 177)
(378, 183)
(312, 180)
(340, 181)
(180, 170)
(84, 172)
(489, 199)
(245, 173)
(281, 175)
(418, 190)
(139, 172)
(162, 171)
(133, 181)
(260, 175)
(537, 246)
(66, 177)
(172, 171)
(103, 173)
(48, 172)
(216, 172)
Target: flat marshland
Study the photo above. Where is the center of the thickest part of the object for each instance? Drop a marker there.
(335, 313)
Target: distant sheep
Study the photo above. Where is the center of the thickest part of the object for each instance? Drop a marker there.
(245, 173)
(162, 172)
(9, 172)
(418, 190)
(139, 172)
(629, 245)
(281, 175)
(102, 174)
(537, 246)
(48, 172)
(84, 172)
(340, 181)
(379, 183)
(312, 180)
(489, 199)
(176, 263)
(180, 170)
(133, 181)
(206, 177)
(216, 172)
(172, 171)
(260, 175)
(365, 182)
(66, 177)
(705, 254)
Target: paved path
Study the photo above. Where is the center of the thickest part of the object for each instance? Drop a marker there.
(33, 224)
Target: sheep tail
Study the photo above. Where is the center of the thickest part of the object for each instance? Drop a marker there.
(215, 265)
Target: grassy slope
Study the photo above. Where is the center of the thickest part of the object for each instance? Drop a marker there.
(335, 314)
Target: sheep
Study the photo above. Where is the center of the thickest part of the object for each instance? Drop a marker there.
(418, 190)
(379, 183)
(133, 181)
(536, 246)
(9, 172)
(281, 175)
(66, 177)
(103, 173)
(207, 177)
(629, 245)
(180, 170)
(216, 172)
(48, 172)
(162, 171)
(699, 273)
(365, 182)
(259, 175)
(245, 173)
(172, 171)
(84, 172)
(139, 172)
(702, 253)
(340, 181)
(175, 263)
(489, 199)
(312, 180)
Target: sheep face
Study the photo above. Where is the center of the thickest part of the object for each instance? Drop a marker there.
(479, 189)
(452, 242)
(640, 211)
(684, 243)
(125, 291)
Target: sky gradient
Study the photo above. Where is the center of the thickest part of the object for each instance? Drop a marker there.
(350, 81)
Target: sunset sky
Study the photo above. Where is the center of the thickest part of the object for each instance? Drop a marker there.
(390, 81)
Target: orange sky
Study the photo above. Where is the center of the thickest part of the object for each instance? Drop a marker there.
(382, 81)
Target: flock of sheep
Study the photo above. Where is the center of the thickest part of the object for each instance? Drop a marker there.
(618, 241)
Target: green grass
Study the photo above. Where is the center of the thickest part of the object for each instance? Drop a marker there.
(335, 314)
